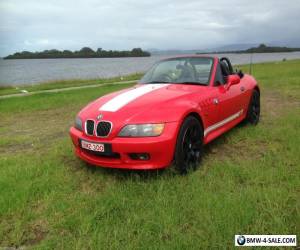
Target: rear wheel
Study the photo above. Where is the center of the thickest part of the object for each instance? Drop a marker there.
(253, 113)
(189, 145)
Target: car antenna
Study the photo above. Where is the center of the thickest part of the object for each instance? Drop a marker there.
(250, 66)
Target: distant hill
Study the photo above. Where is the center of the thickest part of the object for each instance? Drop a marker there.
(233, 48)
(262, 48)
(230, 47)
(171, 52)
(85, 52)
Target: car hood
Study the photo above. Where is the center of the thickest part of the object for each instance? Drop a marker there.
(143, 103)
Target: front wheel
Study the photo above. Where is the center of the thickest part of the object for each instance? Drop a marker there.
(253, 113)
(189, 145)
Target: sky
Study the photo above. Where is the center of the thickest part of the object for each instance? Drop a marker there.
(36, 25)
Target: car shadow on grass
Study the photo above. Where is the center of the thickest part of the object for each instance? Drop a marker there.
(125, 174)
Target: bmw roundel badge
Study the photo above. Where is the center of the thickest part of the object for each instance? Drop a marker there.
(241, 240)
(99, 117)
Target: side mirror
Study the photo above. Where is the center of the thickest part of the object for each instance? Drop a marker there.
(232, 80)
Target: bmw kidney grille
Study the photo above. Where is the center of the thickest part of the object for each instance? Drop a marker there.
(89, 127)
(103, 128)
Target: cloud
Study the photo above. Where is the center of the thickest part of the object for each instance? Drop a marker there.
(124, 24)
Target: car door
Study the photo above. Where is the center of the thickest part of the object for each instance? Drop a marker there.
(230, 101)
(225, 102)
(228, 98)
(210, 108)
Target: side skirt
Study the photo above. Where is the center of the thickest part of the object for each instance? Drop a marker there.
(221, 127)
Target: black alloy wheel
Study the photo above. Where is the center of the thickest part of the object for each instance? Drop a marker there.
(254, 108)
(189, 145)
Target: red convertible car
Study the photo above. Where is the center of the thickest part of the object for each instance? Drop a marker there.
(180, 104)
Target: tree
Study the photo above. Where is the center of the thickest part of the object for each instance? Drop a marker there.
(87, 52)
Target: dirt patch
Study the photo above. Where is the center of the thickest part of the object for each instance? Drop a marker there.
(17, 148)
(31, 233)
(35, 233)
(233, 151)
(36, 130)
(274, 104)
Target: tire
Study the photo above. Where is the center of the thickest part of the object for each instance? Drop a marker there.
(189, 145)
(253, 113)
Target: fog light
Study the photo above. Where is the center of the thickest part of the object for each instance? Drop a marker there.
(139, 156)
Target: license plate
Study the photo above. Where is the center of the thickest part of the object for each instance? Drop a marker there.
(98, 147)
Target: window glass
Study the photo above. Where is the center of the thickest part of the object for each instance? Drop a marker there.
(219, 76)
(180, 70)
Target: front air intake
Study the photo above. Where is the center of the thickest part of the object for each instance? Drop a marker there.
(103, 128)
(89, 127)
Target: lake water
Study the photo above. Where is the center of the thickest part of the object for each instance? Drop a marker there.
(32, 71)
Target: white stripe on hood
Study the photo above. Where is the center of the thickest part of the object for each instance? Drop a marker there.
(121, 100)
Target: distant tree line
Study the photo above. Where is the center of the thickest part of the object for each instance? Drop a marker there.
(262, 48)
(85, 52)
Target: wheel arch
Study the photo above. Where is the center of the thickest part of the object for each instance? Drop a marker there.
(196, 115)
(257, 89)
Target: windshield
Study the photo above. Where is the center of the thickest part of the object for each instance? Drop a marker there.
(188, 70)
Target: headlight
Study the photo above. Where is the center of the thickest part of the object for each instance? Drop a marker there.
(142, 130)
(78, 123)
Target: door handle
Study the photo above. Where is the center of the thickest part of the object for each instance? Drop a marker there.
(242, 88)
(215, 101)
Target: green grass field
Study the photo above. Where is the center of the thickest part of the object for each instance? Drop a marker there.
(248, 183)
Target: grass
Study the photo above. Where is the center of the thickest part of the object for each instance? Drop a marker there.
(66, 84)
(248, 182)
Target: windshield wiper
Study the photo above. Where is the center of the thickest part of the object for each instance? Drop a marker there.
(192, 83)
(157, 82)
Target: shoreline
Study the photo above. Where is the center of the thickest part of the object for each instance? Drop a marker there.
(45, 58)
(62, 84)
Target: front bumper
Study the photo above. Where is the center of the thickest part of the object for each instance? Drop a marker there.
(160, 149)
